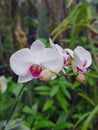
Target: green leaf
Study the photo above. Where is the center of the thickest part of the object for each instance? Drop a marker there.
(78, 25)
(64, 82)
(63, 126)
(89, 13)
(67, 20)
(66, 92)
(44, 123)
(42, 88)
(27, 110)
(17, 88)
(44, 93)
(9, 79)
(69, 2)
(17, 124)
(54, 90)
(81, 119)
(35, 108)
(48, 104)
(75, 85)
(85, 96)
(92, 74)
(62, 101)
(90, 118)
(23, 127)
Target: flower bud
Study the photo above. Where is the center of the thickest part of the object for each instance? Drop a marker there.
(45, 75)
(80, 78)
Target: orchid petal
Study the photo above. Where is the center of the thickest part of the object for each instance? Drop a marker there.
(77, 59)
(51, 43)
(26, 78)
(52, 60)
(21, 60)
(84, 56)
(69, 51)
(36, 49)
(60, 49)
(56, 46)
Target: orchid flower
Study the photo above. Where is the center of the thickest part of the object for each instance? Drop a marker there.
(81, 57)
(62, 52)
(29, 63)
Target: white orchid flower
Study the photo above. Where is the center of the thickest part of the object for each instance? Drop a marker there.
(29, 63)
(62, 52)
(3, 84)
(81, 57)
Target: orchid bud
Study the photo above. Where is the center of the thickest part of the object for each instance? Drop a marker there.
(80, 78)
(45, 75)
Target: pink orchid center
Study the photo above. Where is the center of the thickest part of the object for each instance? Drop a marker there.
(35, 70)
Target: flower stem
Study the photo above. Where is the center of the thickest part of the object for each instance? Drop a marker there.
(57, 74)
(12, 109)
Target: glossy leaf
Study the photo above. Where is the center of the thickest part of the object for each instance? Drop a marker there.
(48, 104)
(62, 101)
(54, 90)
(43, 124)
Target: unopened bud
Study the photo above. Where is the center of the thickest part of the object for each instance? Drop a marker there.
(45, 75)
(80, 78)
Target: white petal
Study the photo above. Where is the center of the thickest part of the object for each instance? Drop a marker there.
(24, 79)
(52, 60)
(36, 49)
(84, 55)
(56, 46)
(51, 43)
(60, 49)
(69, 51)
(78, 61)
(21, 60)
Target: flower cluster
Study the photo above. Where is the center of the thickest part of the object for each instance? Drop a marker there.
(46, 63)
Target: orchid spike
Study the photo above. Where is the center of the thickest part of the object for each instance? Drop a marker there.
(29, 63)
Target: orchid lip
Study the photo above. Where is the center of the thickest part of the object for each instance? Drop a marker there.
(81, 70)
(35, 70)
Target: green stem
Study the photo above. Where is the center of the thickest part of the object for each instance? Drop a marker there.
(57, 74)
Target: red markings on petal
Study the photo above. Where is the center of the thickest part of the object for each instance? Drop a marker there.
(35, 70)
